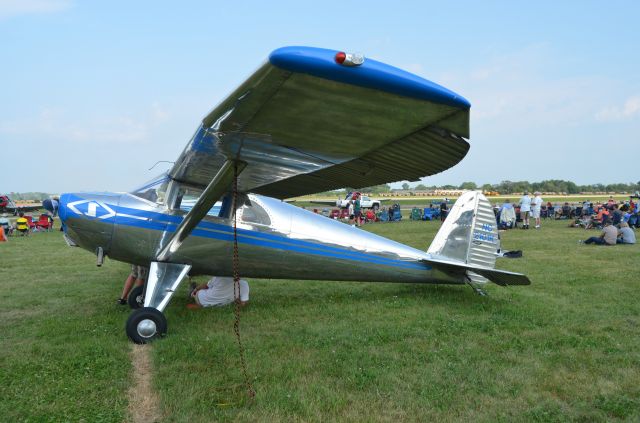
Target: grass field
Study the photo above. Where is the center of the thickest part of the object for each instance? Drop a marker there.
(565, 348)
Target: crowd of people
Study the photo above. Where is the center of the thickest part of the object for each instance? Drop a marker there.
(586, 214)
(509, 214)
(24, 225)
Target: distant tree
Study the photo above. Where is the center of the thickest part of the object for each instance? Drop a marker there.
(377, 188)
(468, 185)
(487, 187)
(421, 187)
(405, 186)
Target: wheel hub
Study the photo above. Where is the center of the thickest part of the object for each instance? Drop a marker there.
(147, 328)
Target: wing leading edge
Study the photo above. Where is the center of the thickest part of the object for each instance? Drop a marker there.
(303, 123)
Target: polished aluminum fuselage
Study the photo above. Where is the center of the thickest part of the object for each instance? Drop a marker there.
(276, 240)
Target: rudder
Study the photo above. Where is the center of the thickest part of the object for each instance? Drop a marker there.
(468, 236)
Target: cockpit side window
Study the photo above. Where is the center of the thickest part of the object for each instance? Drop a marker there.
(186, 197)
(252, 212)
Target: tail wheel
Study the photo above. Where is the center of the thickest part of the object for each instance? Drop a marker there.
(136, 297)
(146, 324)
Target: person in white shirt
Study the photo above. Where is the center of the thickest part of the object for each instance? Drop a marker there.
(219, 291)
(536, 204)
(525, 210)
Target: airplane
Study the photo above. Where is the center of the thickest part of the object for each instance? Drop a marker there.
(7, 205)
(308, 120)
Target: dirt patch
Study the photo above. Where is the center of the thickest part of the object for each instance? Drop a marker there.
(144, 405)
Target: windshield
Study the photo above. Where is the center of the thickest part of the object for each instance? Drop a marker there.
(154, 190)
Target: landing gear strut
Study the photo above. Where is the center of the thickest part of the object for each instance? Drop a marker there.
(148, 323)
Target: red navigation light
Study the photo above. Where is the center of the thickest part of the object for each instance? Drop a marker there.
(349, 59)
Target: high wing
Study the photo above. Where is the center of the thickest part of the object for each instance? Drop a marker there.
(302, 123)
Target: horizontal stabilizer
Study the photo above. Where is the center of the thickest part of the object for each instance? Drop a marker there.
(500, 277)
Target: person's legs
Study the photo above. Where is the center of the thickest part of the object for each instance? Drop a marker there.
(595, 240)
(128, 284)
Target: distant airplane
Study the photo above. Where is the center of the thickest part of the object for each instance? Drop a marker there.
(308, 120)
(7, 205)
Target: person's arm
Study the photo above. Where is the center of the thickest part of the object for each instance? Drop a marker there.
(199, 288)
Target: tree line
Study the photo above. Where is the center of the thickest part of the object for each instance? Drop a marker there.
(507, 187)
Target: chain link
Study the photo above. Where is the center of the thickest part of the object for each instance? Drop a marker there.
(236, 286)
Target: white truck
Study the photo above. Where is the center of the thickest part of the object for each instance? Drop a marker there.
(365, 202)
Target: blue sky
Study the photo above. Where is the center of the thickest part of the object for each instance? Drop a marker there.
(94, 93)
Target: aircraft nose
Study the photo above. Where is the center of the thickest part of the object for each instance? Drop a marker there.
(88, 218)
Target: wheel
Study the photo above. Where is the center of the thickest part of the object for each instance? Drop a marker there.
(146, 324)
(136, 297)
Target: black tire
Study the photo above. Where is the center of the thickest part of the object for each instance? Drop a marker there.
(136, 297)
(145, 325)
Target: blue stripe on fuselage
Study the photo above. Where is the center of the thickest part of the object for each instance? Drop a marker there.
(165, 222)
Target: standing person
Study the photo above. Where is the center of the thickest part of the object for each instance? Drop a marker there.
(536, 206)
(443, 210)
(525, 210)
(219, 291)
(56, 205)
(351, 213)
(357, 211)
(136, 278)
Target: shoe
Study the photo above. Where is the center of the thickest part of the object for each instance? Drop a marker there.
(537, 226)
(121, 301)
(580, 241)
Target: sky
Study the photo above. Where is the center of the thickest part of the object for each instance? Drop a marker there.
(93, 94)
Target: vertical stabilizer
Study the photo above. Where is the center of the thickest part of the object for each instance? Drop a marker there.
(469, 235)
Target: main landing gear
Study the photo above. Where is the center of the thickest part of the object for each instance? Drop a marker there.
(147, 322)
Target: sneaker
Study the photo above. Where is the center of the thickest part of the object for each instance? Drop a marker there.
(121, 301)
(537, 226)
(580, 241)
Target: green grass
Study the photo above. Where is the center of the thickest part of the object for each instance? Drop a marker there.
(563, 349)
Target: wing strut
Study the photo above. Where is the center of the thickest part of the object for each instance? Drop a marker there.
(214, 191)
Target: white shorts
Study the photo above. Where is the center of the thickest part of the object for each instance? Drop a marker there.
(535, 213)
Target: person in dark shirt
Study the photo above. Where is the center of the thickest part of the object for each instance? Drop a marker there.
(443, 210)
